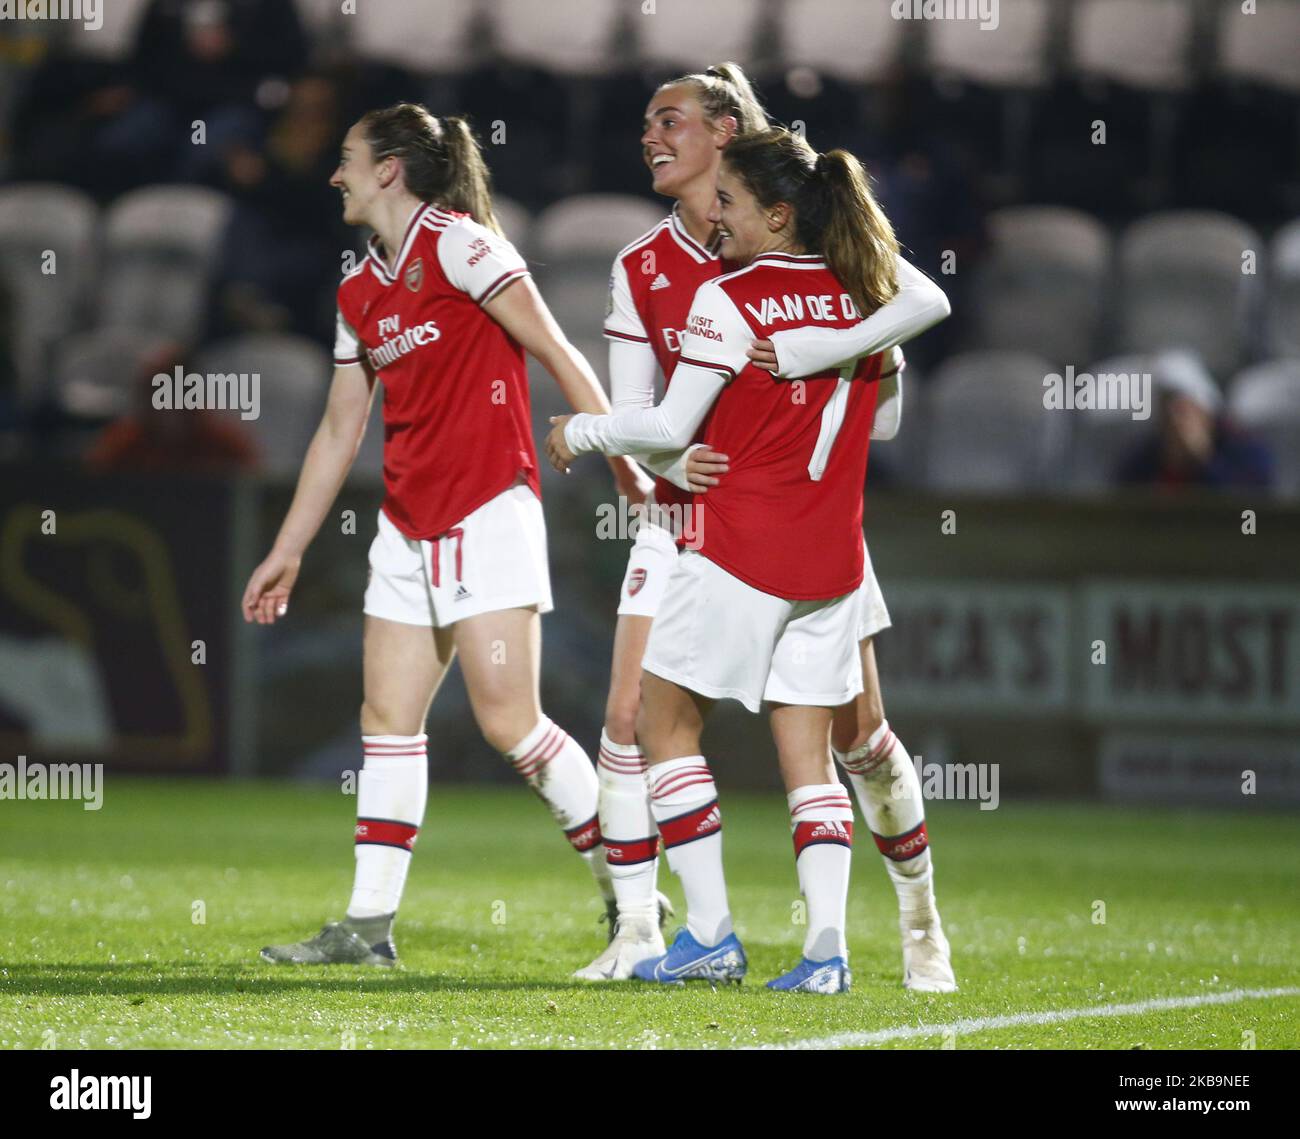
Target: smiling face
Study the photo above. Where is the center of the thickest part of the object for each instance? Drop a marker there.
(745, 228)
(358, 176)
(679, 143)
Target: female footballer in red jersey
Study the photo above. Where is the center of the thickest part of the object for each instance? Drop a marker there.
(441, 310)
(750, 615)
(687, 124)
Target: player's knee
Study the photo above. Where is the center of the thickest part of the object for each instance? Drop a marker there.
(621, 721)
(505, 728)
(380, 719)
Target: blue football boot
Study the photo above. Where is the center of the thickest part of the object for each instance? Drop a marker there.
(688, 960)
(831, 976)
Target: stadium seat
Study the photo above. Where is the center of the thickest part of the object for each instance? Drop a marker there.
(160, 243)
(1128, 66)
(95, 371)
(1144, 44)
(1042, 284)
(35, 218)
(845, 39)
(1284, 292)
(1260, 47)
(114, 40)
(576, 292)
(1238, 151)
(1102, 439)
(687, 34)
(1265, 400)
(569, 37)
(515, 220)
(981, 87)
(1181, 284)
(1014, 54)
(987, 428)
(295, 376)
(324, 19)
(592, 226)
(433, 35)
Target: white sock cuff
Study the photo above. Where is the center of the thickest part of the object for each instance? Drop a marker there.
(529, 743)
(878, 737)
(680, 782)
(620, 759)
(820, 802)
(394, 751)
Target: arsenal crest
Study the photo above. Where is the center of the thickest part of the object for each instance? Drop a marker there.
(636, 579)
(415, 275)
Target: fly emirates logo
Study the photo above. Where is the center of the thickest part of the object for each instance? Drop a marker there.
(396, 344)
(791, 308)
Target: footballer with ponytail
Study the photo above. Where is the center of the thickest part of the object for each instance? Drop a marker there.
(441, 158)
(442, 310)
(834, 212)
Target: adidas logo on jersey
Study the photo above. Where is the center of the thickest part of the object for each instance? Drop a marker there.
(660, 282)
(461, 592)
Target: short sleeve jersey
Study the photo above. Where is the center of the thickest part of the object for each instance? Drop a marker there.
(650, 292)
(457, 422)
(787, 519)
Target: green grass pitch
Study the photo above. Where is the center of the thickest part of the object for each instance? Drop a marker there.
(102, 946)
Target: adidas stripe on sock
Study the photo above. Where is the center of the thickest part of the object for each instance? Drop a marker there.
(821, 819)
(392, 790)
(685, 804)
(889, 793)
(558, 770)
(627, 827)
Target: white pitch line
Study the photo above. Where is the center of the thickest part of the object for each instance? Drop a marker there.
(1057, 1016)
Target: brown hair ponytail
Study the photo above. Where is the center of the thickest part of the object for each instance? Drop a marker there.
(441, 159)
(835, 213)
(857, 239)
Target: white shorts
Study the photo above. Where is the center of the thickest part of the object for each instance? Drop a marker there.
(649, 566)
(495, 558)
(873, 617)
(724, 639)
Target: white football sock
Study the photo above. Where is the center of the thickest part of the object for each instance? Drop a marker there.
(889, 793)
(392, 790)
(555, 767)
(821, 820)
(627, 827)
(685, 803)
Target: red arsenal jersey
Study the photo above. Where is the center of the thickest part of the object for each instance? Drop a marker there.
(457, 423)
(787, 519)
(650, 293)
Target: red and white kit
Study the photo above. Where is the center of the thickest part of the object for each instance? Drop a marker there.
(653, 283)
(461, 530)
(650, 292)
(768, 608)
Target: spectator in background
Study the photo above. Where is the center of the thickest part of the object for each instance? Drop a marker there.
(1193, 443)
(150, 439)
(107, 128)
(281, 254)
